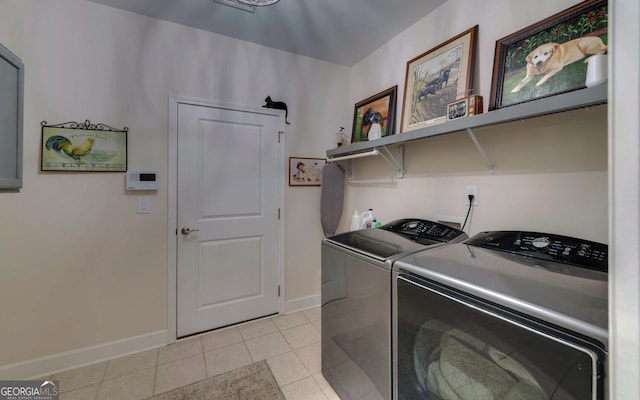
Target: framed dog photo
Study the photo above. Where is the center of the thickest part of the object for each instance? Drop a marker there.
(547, 58)
(374, 117)
(458, 109)
(435, 79)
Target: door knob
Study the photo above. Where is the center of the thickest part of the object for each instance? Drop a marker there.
(186, 231)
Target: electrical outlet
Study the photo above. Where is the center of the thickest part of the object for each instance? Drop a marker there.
(474, 191)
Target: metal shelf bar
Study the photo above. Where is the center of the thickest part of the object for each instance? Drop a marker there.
(373, 152)
(396, 162)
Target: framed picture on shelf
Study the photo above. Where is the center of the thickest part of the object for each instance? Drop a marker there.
(464, 107)
(545, 59)
(435, 79)
(458, 109)
(83, 147)
(374, 117)
(304, 171)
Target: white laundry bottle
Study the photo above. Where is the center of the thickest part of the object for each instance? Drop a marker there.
(367, 219)
(356, 220)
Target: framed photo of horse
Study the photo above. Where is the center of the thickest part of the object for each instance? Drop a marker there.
(374, 117)
(436, 78)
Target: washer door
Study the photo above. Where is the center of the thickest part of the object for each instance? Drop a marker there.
(451, 346)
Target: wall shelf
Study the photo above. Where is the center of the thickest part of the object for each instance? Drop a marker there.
(550, 105)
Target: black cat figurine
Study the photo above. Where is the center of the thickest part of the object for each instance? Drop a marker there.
(278, 105)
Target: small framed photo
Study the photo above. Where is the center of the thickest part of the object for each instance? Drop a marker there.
(436, 78)
(304, 171)
(374, 117)
(546, 58)
(464, 107)
(83, 147)
(458, 109)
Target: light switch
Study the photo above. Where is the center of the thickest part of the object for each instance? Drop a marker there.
(144, 205)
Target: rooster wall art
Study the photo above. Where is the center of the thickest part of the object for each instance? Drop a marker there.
(61, 143)
(73, 146)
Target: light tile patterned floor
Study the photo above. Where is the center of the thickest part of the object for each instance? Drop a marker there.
(290, 344)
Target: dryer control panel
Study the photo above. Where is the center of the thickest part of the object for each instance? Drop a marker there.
(423, 231)
(545, 246)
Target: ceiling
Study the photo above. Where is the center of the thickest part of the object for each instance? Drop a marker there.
(338, 31)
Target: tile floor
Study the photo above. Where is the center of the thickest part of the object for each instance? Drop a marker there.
(290, 344)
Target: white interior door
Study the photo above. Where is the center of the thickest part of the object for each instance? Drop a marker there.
(228, 216)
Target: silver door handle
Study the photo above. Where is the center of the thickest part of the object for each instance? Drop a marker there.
(186, 231)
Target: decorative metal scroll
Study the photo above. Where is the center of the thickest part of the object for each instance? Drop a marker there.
(84, 147)
(86, 125)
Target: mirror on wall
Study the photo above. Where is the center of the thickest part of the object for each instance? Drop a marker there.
(11, 111)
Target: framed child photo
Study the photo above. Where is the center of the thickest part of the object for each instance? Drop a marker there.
(305, 171)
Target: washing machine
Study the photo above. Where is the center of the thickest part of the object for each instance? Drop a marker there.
(505, 314)
(356, 301)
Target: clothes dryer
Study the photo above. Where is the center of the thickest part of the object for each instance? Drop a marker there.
(509, 315)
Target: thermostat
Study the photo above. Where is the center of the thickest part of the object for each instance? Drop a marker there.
(142, 180)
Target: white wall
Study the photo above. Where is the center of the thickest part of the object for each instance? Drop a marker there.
(624, 172)
(550, 173)
(78, 266)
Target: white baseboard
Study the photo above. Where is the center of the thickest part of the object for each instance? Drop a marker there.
(49, 365)
(301, 303)
(45, 366)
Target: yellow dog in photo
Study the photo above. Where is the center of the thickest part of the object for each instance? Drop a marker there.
(550, 58)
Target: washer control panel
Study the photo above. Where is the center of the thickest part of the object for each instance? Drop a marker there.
(564, 249)
(421, 230)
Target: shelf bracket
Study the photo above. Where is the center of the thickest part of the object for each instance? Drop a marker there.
(395, 162)
(482, 153)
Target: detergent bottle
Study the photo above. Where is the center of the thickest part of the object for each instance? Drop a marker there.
(367, 219)
(356, 220)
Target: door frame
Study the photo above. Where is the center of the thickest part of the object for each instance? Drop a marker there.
(172, 201)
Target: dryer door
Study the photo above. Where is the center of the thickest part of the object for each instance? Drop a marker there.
(451, 346)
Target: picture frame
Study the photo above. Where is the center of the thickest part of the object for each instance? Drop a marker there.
(458, 109)
(557, 43)
(305, 171)
(376, 112)
(83, 147)
(436, 78)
